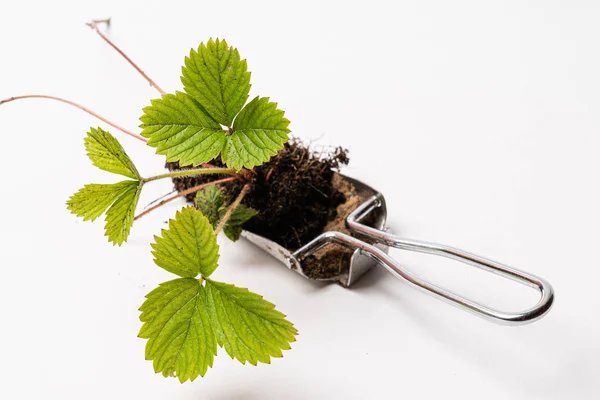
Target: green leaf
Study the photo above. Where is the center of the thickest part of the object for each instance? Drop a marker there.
(246, 325)
(259, 132)
(107, 153)
(189, 247)
(216, 77)
(179, 127)
(119, 216)
(186, 127)
(210, 201)
(240, 215)
(180, 339)
(92, 200)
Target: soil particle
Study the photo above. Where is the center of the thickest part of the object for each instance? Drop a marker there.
(298, 196)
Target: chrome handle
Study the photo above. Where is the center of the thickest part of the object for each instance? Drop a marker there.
(509, 318)
(512, 318)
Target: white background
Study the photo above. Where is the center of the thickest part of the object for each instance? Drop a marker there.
(479, 121)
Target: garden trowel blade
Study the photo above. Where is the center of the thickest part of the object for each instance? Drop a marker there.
(359, 263)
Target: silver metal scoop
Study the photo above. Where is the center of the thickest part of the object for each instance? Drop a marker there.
(366, 256)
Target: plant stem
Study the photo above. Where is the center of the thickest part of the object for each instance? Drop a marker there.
(232, 208)
(160, 198)
(190, 172)
(87, 110)
(94, 26)
(184, 193)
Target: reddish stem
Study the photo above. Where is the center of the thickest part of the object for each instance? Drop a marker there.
(94, 26)
(160, 198)
(184, 193)
(87, 110)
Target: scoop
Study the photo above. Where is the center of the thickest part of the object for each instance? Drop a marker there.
(372, 252)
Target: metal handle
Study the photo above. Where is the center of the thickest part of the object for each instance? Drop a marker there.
(513, 318)
(510, 318)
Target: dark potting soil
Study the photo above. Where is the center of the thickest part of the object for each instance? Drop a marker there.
(333, 260)
(298, 196)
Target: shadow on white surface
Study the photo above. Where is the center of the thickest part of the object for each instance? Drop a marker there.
(551, 357)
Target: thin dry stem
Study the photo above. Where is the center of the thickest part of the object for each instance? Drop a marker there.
(160, 198)
(184, 193)
(71, 103)
(94, 26)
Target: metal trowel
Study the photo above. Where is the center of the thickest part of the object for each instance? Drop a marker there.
(371, 242)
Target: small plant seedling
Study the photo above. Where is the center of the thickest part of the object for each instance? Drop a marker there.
(185, 319)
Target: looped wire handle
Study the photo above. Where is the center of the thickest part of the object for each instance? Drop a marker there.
(509, 318)
(512, 318)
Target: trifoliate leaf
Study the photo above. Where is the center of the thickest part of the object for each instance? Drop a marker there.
(119, 216)
(259, 132)
(180, 339)
(246, 325)
(216, 77)
(233, 227)
(210, 202)
(186, 127)
(107, 153)
(92, 200)
(189, 247)
(179, 127)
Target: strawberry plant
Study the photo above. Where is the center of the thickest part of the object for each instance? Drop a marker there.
(185, 319)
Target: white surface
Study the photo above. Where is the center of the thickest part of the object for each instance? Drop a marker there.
(479, 121)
